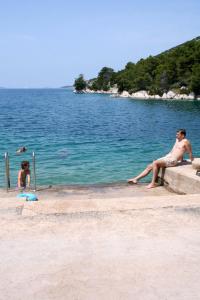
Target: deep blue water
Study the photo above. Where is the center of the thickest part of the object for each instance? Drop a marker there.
(85, 138)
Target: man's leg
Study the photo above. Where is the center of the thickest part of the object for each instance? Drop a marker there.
(156, 166)
(142, 174)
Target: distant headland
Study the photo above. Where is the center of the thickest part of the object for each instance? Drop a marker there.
(66, 87)
(173, 74)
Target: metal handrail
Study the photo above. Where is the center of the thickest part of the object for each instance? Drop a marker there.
(7, 171)
(34, 172)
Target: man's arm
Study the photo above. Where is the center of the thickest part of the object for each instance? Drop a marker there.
(189, 150)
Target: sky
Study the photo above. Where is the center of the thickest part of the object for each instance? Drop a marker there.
(49, 43)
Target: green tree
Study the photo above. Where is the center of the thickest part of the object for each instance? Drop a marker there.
(80, 83)
(104, 78)
(173, 69)
(195, 79)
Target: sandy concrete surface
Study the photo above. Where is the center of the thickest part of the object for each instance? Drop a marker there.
(93, 243)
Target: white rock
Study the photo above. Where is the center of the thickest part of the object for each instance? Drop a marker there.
(140, 95)
(164, 96)
(170, 95)
(113, 90)
(191, 96)
(181, 96)
(157, 97)
(125, 94)
(89, 91)
(151, 96)
(183, 87)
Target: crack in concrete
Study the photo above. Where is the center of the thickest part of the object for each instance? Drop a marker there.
(100, 214)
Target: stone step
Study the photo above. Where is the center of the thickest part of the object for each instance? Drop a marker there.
(62, 206)
(181, 179)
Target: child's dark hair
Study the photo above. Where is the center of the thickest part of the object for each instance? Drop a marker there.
(24, 164)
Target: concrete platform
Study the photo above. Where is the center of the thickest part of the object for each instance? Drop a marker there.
(181, 179)
(70, 207)
(67, 247)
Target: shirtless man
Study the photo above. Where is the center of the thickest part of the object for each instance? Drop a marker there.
(181, 146)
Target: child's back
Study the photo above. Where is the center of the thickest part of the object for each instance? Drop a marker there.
(24, 175)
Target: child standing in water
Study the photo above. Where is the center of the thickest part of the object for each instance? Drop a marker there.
(24, 175)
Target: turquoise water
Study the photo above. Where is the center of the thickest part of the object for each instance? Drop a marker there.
(87, 139)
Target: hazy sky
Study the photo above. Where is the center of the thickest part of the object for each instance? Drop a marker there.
(49, 43)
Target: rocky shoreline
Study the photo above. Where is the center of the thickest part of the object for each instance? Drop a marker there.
(170, 95)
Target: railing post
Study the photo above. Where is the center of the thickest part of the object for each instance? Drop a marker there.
(7, 171)
(34, 172)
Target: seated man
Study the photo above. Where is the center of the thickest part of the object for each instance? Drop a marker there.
(181, 146)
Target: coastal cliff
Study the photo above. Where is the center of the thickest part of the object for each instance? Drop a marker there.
(173, 74)
(171, 95)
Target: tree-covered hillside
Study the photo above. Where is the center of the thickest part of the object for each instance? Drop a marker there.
(175, 69)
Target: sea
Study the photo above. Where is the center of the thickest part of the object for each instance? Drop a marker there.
(86, 139)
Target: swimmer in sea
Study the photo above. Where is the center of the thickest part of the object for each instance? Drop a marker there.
(21, 150)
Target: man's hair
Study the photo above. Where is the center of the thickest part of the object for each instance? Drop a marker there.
(182, 131)
(24, 164)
